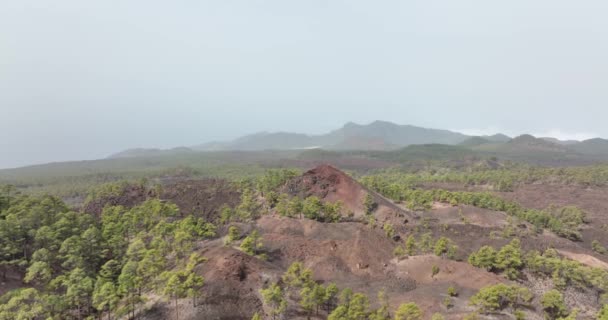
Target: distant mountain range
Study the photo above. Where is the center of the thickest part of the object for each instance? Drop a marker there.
(378, 135)
(384, 136)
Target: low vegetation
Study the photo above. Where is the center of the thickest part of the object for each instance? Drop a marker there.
(508, 259)
(501, 296)
(310, 208)
(563, 272)
(297, 284)
(442, 247)
(505, 178)
(564, 221)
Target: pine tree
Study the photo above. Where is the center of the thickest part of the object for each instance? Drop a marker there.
(79, 289)
(368, 204)
(274, 298)
(233, 234)
(129, 284)
(105, 297)
(312, 208)
(175, 289)
(408, 311)
(331, 292)
(441, 246)
(252, 243)
(410, 245)
(382, 313)
(307, 301)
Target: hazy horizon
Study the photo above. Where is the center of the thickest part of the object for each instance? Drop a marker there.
(472, 132)
(83, 80)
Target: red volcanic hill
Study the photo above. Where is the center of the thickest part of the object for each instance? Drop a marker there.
(332, 185)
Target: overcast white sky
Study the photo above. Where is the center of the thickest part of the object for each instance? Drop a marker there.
(83, 79)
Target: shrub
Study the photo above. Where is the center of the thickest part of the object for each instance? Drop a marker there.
(471, 316)
(507, 259)
(452, 291)
(437, 316)
(371, 221)
(452, 249)
(389, 230)
(567, 272)
(233, 234)
(500, 296)
(410, 245)
(408, 311)
(603, 314)
(434, 271)
(572, 316)
(441, 246)
(447, 302)
(399, 252)
(252, 243)
(484, 258)
(369, 204)
(597, 247)
(553, 304)
(426, 242)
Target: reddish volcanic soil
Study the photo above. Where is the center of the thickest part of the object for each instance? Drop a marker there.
(331, 185)
(350, 254)
(360, 255)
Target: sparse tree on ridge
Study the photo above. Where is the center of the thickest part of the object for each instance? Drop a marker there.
(369, 204)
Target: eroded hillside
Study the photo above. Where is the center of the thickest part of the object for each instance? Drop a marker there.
(319, 245)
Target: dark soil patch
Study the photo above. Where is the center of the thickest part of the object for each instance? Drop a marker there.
(201, 198)
(131, 196)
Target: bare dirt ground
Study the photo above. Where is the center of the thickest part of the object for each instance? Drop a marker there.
(584, 259)
(449, 214)
(330, 250)
(431, 291)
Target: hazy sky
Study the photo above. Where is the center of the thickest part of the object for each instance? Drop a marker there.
(83, 79)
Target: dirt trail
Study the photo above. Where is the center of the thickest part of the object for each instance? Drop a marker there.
(584, 259)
